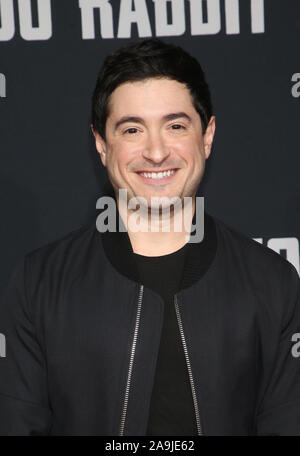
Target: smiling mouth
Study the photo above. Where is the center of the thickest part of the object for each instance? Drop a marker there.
(158, 177)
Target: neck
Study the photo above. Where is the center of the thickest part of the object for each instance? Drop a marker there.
(153, 232)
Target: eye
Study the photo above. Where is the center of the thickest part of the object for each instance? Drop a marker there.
(131, 130)
(177, 127)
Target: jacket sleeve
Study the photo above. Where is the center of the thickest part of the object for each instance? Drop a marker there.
(279, 412)
(24, 408)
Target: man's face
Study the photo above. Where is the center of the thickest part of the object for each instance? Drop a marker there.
(153, 127)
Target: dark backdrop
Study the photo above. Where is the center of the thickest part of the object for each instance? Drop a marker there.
(50, 53)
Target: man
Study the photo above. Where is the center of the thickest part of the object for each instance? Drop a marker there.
(135, 332)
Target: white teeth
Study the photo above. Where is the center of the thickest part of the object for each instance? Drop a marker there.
(159, 175)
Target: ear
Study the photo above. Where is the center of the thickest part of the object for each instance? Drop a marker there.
(100, 145)
(209, 136)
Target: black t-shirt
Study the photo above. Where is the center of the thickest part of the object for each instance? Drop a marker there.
(171, 407)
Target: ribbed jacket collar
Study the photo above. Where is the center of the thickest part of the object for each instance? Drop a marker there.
(199, 256)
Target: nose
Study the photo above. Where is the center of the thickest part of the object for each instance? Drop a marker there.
(155, 147)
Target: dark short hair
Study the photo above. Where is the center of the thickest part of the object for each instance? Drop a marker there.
(144, 59)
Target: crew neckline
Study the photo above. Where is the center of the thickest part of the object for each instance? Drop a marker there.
(198, 259)
(160, 257)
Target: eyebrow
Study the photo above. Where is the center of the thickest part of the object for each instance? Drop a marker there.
(135, 119)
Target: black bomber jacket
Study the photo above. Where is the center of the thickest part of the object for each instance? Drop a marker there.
(82, 337)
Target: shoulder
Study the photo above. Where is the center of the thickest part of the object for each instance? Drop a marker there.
(47, 270)
(251, 257)
(66, 256)
(259, 272)
(70, 242)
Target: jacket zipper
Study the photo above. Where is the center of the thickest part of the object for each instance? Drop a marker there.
(199, 430)
(133, 346)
